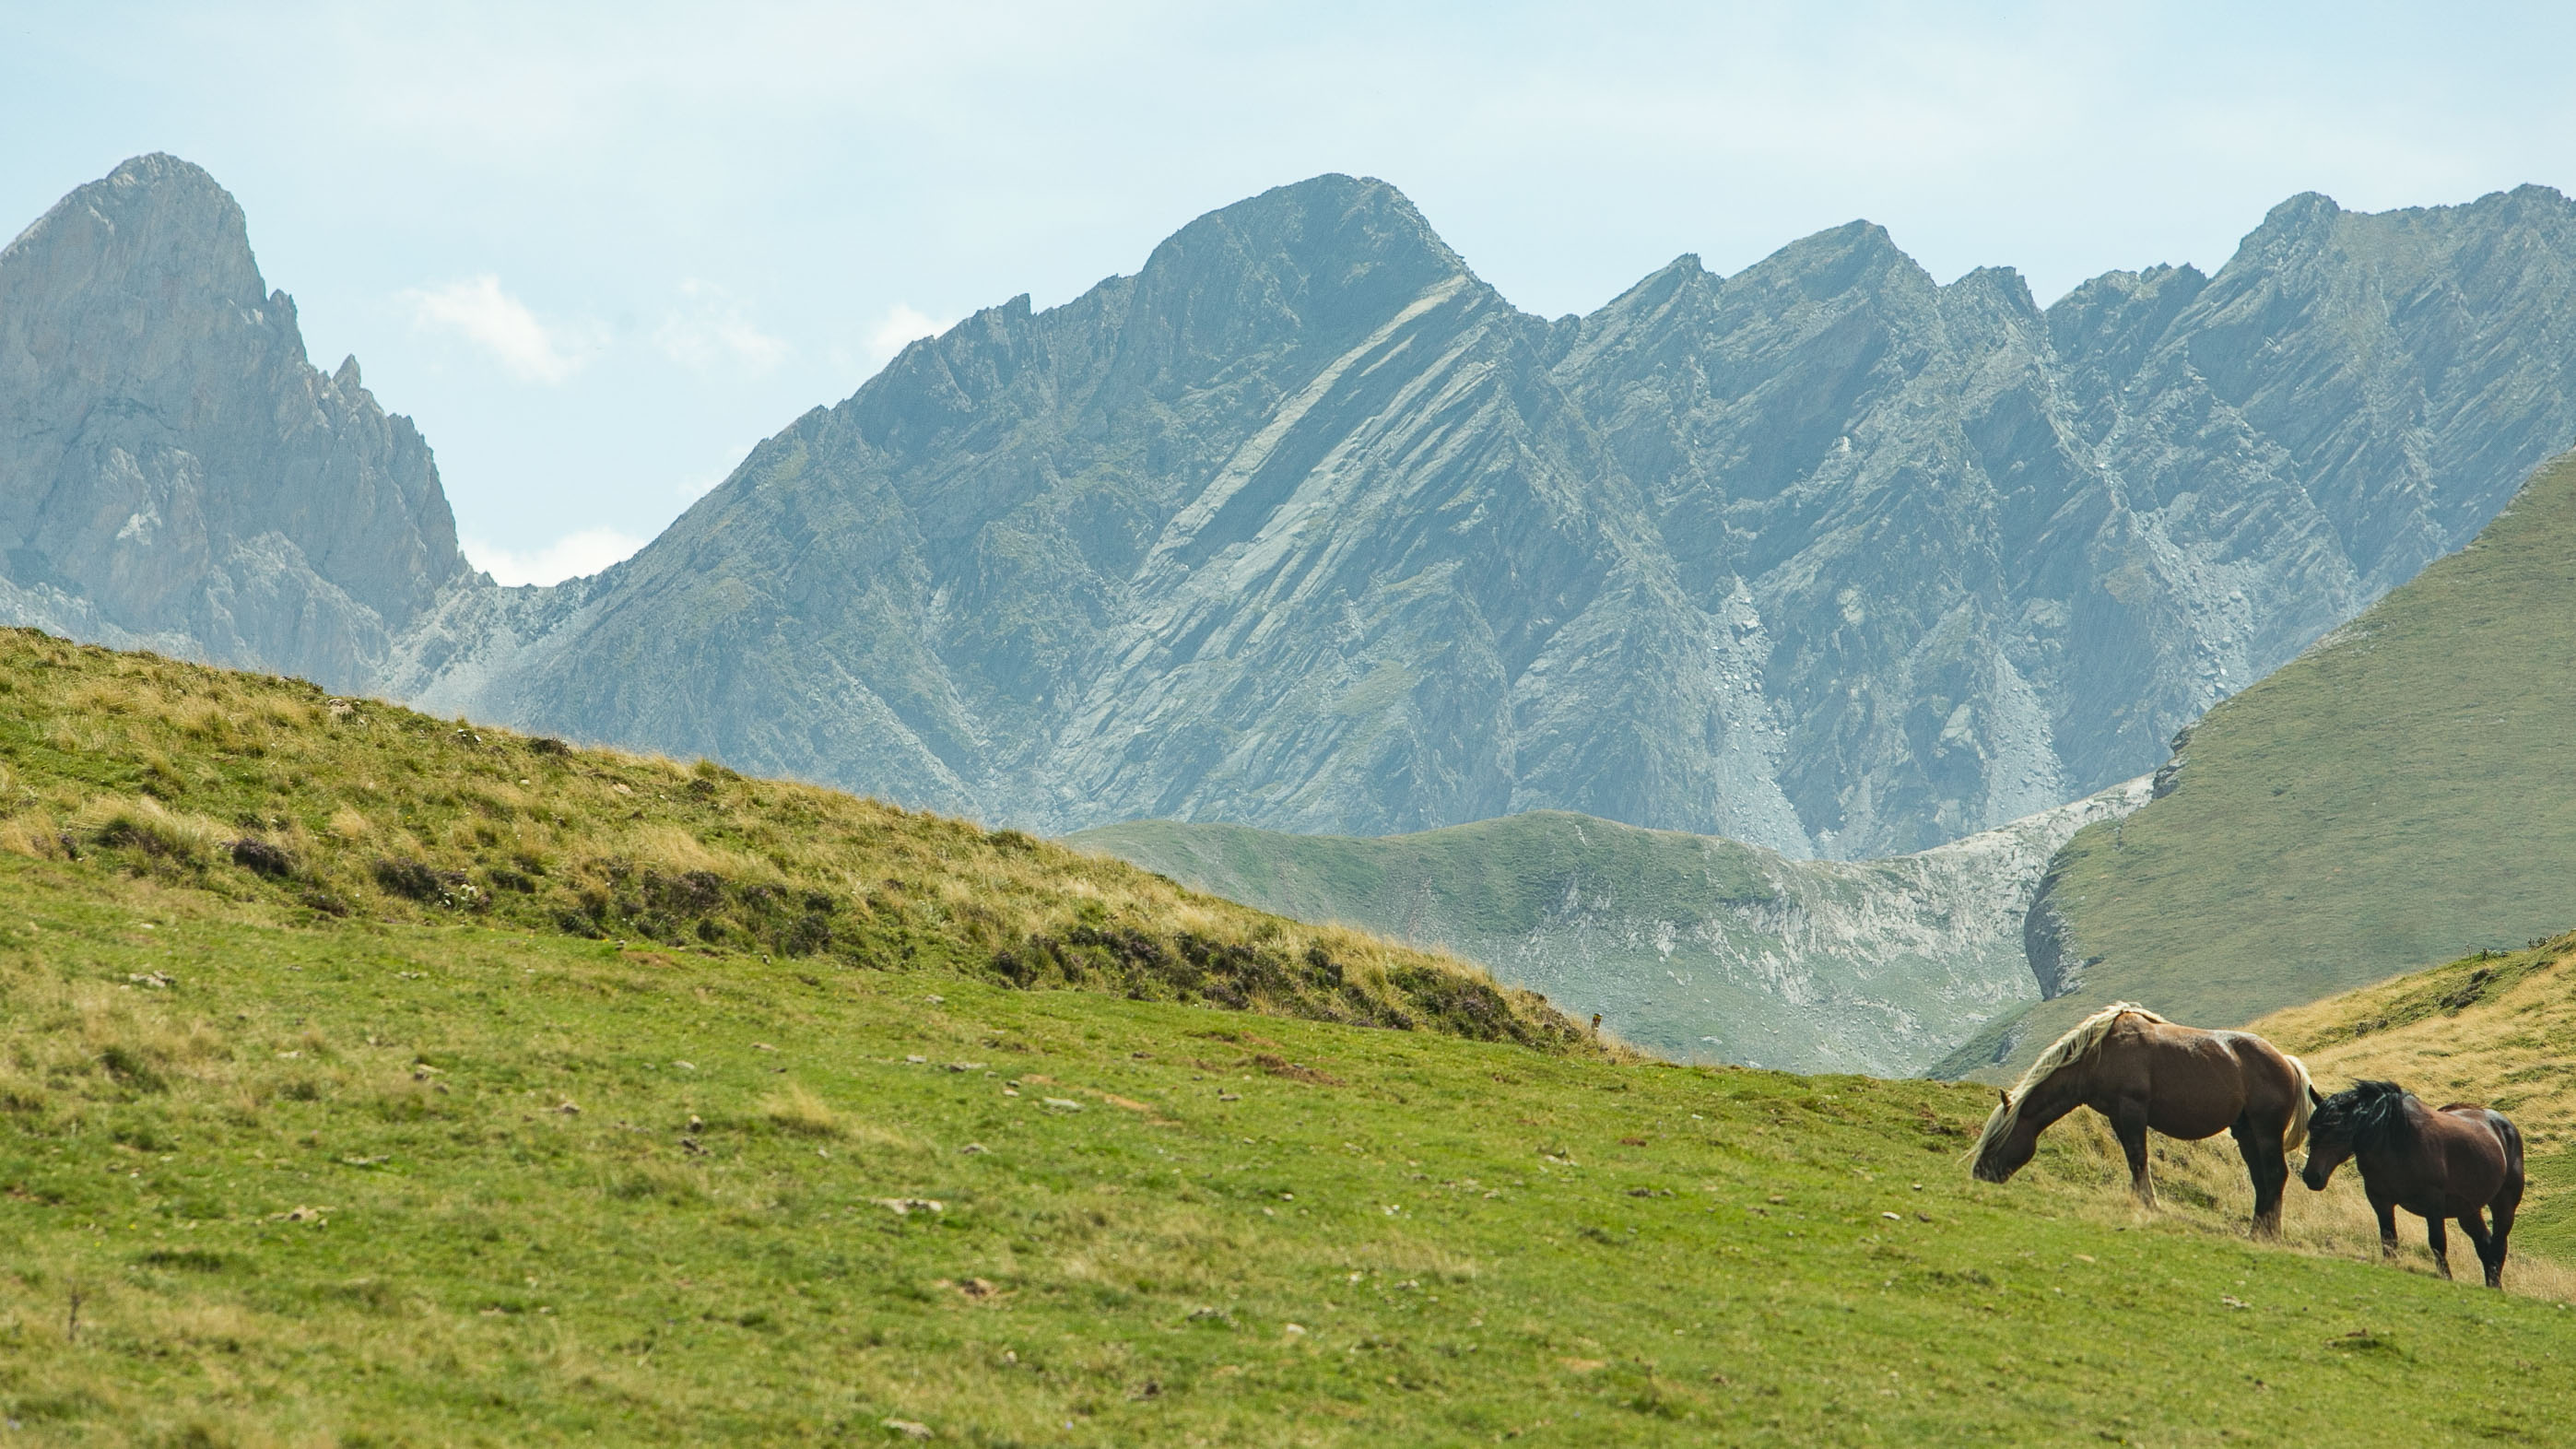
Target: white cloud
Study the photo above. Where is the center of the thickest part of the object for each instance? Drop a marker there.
(712, 334)
(570, 557)
(901, 325)
(478, 311)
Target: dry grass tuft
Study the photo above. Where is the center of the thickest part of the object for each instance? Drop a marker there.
(796, 1109)
(1424, 1260)
(145, 824)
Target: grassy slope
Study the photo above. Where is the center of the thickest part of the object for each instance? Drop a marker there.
(1475, 1238)
(416, 1174)
(2404, 792)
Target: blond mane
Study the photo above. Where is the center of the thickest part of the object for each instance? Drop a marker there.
(2298, 1132)
(2075, 1046)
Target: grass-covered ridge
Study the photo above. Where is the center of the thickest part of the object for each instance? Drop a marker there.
(302, 809)
(2403, 793)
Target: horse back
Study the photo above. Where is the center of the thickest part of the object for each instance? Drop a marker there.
(2508, 1138)
(2486, 1135)
(2201, 1082)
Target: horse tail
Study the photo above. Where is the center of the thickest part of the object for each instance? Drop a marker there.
(2305, 1088)
(2511, 1137)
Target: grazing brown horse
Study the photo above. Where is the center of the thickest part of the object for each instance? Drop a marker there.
(2447, 1164)
(2142, 1072)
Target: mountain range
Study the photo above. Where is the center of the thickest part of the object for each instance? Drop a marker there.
(1304, 526)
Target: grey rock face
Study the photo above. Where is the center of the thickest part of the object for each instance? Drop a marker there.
(1304, 526)
(173, 473)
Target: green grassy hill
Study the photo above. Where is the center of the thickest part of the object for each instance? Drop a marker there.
(398, 1170)
(1692, 946)
(2402, 793)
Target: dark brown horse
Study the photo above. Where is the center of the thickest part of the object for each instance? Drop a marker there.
(2143, 1072)
(2454, 1163)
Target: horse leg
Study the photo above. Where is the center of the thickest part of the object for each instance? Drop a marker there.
(2269, 1167)
(2506, 1203)
(2440, 1242)
(2129, 1121)
(2473, 1223)
(2387, 1211)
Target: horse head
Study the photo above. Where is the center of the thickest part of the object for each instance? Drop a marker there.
(2356, 1119)
(2006, 1145)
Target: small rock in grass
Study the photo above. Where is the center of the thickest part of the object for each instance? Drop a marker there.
(908, 1429)
(965, 1066)
(917, 1060)
(974, 1149)
(1062, 1104)
(907, 1206)
(1891, 1217)
(569, 1110)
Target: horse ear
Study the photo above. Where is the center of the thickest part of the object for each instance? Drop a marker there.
(2315, 1098)
(2006, 1096)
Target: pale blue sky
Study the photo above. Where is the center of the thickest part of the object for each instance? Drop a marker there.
(597, 250)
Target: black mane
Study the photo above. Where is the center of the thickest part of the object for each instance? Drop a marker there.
(2377, 1112)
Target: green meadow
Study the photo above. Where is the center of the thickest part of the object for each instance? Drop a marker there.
(308, 1153)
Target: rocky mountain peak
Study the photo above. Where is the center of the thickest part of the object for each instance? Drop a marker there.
(1316, 264)
(179, 474)
(1856, 257)
(156, 215)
